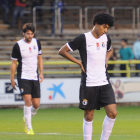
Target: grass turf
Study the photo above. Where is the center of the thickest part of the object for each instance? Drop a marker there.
(66, 124)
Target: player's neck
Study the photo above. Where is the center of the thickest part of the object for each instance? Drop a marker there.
(27, 41)
(94, 33)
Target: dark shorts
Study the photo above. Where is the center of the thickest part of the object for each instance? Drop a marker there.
(29, 87)
(96, 97)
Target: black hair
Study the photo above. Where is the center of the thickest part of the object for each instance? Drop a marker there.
(125, 40)
(103, 18)
(28, 26)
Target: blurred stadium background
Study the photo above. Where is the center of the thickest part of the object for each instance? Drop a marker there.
(76, 19)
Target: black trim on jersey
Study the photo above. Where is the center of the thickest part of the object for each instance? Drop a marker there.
(108, 47)
(16, 54)
(107, 75)
(80, 43)
(108, 43)
(15, 51)
(39, 45)
(39, 48)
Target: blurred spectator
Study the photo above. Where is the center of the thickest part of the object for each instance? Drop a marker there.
(5, 5)
(111, 66)
(18, 9)
(39, 11)
(136, 51)
(57, 4)
(125, 54)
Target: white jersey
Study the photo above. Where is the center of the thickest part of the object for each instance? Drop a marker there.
(93, 55)
(27, 56)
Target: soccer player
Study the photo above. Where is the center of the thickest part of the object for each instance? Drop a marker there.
(95, 89)
(27, 52)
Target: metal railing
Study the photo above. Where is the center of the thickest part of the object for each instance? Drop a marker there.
(70, 8)
(128, 71)
(92, 7)
(125, 8)
(39, 7)
(57, 13)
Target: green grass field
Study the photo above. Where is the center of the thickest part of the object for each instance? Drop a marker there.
(66, 124)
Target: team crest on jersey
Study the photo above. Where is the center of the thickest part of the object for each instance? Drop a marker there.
(85, 102)
(103, 44)
(34, 47)
(30, 49)
(22, 90)
(98, 46)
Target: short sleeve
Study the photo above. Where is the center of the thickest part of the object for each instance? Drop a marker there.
(15, 52)
(108, 43)
(39, 47)
(77, 42)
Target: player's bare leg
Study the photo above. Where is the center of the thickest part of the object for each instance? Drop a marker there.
(108, 121)
(27, 114)
(111, 111)
(35, 105)
(87, 124)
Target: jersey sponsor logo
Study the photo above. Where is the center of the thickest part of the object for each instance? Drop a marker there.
(98, 46)
(30, 49)
(85, 102)
(103, 44)
(54, 90)
(34, 47)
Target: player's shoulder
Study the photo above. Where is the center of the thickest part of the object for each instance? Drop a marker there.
(20, 41)
(17, 44)
(106, 36)
(36, 40)
(81, 36)
(88, 35)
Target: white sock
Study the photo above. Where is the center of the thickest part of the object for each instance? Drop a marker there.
(107, 128)
(27, 116)
(87, 130)
(33, 110)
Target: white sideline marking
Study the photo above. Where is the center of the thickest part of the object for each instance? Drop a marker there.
(18, 133)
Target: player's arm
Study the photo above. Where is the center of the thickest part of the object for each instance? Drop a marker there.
(109, 50)
(15, 57)
(13, 70)
(109, 54)
(40, 66)
(64, 51)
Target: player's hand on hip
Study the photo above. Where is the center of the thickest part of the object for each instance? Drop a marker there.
(82, 68)
(14, 84)
(106, 65)
(41, 78)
